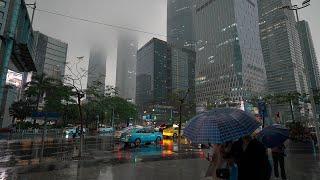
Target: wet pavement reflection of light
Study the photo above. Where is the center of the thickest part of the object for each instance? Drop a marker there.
(156, 162)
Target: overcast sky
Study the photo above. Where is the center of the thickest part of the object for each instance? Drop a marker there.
(146, 15)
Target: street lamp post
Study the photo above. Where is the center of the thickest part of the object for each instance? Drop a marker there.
(296, 8)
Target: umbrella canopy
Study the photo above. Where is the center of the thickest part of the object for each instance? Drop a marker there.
(273, 136)
(219, 126)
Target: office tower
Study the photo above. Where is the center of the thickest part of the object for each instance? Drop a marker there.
(229, 56)
(180, 30)
(282, 52)
(162, 71)
(183, 71)
(50, 56)
(153, 73)
(309, 55)
(126, 66)
(97, 68)
(309, 58)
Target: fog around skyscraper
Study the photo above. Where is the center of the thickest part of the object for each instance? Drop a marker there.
(146, 15)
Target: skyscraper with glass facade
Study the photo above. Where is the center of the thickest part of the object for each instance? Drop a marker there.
(126, 66)
(229, 56)
(153, 73)
(50, 55)
(309, 55)
(180, 29)
(282, 54)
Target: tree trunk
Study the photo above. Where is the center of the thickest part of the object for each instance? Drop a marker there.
(81, 124)
(37, 106)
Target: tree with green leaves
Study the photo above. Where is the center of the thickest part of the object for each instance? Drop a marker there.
(21, 110)
(38, 86)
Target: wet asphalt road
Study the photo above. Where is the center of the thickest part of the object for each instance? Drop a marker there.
(156, 163)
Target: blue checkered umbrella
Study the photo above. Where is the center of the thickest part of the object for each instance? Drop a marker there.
(219, 126)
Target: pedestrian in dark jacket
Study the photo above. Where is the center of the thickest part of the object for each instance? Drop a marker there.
(254, 163)
(278, 154)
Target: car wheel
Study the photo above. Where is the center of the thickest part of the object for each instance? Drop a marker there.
(137, 142)
(158, 140)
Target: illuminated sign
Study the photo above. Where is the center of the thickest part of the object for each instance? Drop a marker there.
(14, 78)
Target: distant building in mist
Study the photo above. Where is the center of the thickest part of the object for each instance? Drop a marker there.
(126, 66)
(50, 55)
(97, 68)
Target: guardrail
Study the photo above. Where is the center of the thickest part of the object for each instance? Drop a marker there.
(27, 151)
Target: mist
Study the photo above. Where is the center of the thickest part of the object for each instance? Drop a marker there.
(142, 15)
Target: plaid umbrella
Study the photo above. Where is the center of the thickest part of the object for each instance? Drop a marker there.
(273, 136)
(219, 126)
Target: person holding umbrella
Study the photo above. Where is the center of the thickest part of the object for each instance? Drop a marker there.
(274, 137)
(218, 127)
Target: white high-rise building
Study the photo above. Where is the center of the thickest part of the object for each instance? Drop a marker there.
(229, 56)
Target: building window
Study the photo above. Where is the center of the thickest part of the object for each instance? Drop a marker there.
(2, 4)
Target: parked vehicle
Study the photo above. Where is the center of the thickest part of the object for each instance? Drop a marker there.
(139, 136)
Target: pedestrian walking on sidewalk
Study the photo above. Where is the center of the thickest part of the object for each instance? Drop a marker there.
(278, 155)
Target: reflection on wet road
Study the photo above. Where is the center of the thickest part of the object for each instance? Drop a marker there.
(152, 162)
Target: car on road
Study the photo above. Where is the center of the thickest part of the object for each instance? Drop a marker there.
(73, 130)
(106, 130)
(139, 136)
(172, 132)
(118, 134)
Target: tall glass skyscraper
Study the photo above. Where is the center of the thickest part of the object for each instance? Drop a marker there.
(282, 53)
(97, 67)
(180, 29)
(229, 56)
(153, 73)
(309, 55)
(126, 66)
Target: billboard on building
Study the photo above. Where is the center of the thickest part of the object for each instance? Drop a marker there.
(14, 78)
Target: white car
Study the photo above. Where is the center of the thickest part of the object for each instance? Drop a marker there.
(106, 130)
(73, 130)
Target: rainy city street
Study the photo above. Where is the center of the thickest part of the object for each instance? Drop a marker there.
(153, 162)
